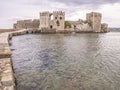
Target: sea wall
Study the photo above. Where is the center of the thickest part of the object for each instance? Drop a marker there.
(7, 79)
(6, 30)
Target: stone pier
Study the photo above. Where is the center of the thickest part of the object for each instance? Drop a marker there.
(7, 79)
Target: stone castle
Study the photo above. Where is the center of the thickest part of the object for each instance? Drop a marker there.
(55, 22)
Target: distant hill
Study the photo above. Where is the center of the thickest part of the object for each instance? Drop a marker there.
(114, 28)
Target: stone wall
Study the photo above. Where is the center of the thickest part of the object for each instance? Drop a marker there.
(26, 24)
(83, 27)
(80, 26)
(7, 81)
(44, 20)
(104, 27)
(57, 22)
(48, 31)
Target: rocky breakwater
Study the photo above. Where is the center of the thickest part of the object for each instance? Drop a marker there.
(7, 79)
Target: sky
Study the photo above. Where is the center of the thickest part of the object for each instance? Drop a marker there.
(13, 10)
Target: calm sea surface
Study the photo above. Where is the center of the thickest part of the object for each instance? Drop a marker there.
(67, 61)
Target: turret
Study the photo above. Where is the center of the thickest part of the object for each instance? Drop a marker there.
(58, 20)
(44, 20)
(95, 19)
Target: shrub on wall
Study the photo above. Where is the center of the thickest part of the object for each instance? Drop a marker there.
(88, 22)
(68, 25)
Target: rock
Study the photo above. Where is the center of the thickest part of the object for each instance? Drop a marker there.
(9, 88)
(7, 79)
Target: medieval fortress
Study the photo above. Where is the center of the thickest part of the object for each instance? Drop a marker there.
(55, 22)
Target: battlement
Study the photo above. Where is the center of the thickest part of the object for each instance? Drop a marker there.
(94, 14)
(45, 13)
(24, 21)
(59, 12)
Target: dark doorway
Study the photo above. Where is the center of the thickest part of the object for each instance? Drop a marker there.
(51, 26)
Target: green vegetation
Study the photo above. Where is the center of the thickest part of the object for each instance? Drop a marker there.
(68, 25)
(88, 22)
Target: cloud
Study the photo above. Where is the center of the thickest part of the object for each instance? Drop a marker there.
(87, 2)
(13, 10)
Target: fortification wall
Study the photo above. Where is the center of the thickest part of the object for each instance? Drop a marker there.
(83, 27)
(79, 26)
(26, 24)
(104, 27)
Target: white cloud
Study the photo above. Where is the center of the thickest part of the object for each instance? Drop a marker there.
(111, 14)
(13, 10)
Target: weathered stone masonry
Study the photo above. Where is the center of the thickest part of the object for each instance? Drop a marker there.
(55, 23)
(95, 19)
(26, 24)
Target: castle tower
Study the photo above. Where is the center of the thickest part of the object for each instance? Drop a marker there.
(44, 20)
(58, 20)
(95, 19)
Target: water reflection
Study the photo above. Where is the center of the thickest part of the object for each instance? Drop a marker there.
(67, 62)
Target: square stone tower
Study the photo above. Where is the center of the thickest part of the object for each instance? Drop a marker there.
(58, 20)
(95, 19)
(44, 20)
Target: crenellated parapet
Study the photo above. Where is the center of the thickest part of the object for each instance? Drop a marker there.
(59, 12)
(44, 13)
